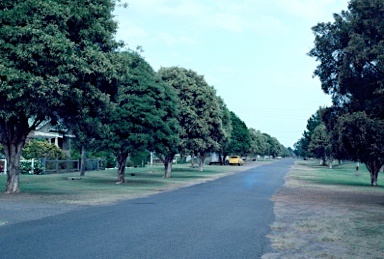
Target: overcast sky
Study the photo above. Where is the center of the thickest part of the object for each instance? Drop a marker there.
(253, 52)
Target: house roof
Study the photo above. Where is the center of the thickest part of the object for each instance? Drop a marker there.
(40, 134)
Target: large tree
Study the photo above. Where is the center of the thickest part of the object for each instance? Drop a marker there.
(361, 138)
(141, 112)
(200, 114)
(350, 51)
(227, 126)
(166, 141)
(52, 55)
(320, 144)
(302, 146)
(274, 147)
(240, 138)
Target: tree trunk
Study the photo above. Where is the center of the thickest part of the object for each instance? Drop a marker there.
(83, 161)
(168, 165)
(122, 160)
(193, 161)
(224, 158)
(324, 159)
(201, 164)
(221, 159)
(13, 153)
(13, 133)
(331, 159)
(373, 168)
(201, 158)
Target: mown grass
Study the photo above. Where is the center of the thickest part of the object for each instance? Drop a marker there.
(329, 213)
(99, 187)
(341, 175)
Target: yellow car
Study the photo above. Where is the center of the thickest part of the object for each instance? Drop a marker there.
(235, 160)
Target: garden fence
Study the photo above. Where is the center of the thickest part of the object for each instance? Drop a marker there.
(66, 166)
(58, 166)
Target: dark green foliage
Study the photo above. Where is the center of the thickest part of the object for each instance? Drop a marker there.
(200, 112)
(350, 51)
(360, 136)
(320, 145)
(240, 138)
(199, 116)
(302, 145)
(107, 157)
(263, 144)
(227, 127)
(109, 160)
(54, 63)
(141, 113)
(138, 108)
(139, 157)
(274, 147)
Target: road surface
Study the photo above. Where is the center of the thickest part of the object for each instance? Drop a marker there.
(225, 218)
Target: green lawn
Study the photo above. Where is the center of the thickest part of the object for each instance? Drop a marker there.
(100, 187)
(341, 175)
(329, 213)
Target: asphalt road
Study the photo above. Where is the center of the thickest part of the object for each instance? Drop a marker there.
(225, 218)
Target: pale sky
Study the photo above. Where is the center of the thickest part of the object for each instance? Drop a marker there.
(253, 52)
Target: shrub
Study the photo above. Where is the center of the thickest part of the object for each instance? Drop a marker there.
(138, 157)
(42, 149)
(26, 167)
(2, 155)
(2, 165)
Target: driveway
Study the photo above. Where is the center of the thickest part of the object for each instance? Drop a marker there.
(225, 218)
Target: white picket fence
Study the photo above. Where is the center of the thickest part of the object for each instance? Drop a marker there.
(3, 165)
(57, 166)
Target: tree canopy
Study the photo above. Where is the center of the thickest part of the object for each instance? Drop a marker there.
(350, 51)
(142, 112)
(320, 145)
(53, 62)
(240, 138)
(362, 139)
(302, 145)
(200, 114)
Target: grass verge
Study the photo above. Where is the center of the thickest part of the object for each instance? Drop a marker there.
(100, 187)
(328, 213)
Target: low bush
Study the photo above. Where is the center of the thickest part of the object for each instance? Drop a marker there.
(26, 167)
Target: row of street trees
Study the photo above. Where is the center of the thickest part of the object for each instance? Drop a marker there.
(59, 61)
(351, 55)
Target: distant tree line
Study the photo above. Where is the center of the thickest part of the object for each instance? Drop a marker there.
(351, 54)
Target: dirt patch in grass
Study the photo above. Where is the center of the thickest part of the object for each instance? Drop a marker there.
(317, 220)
